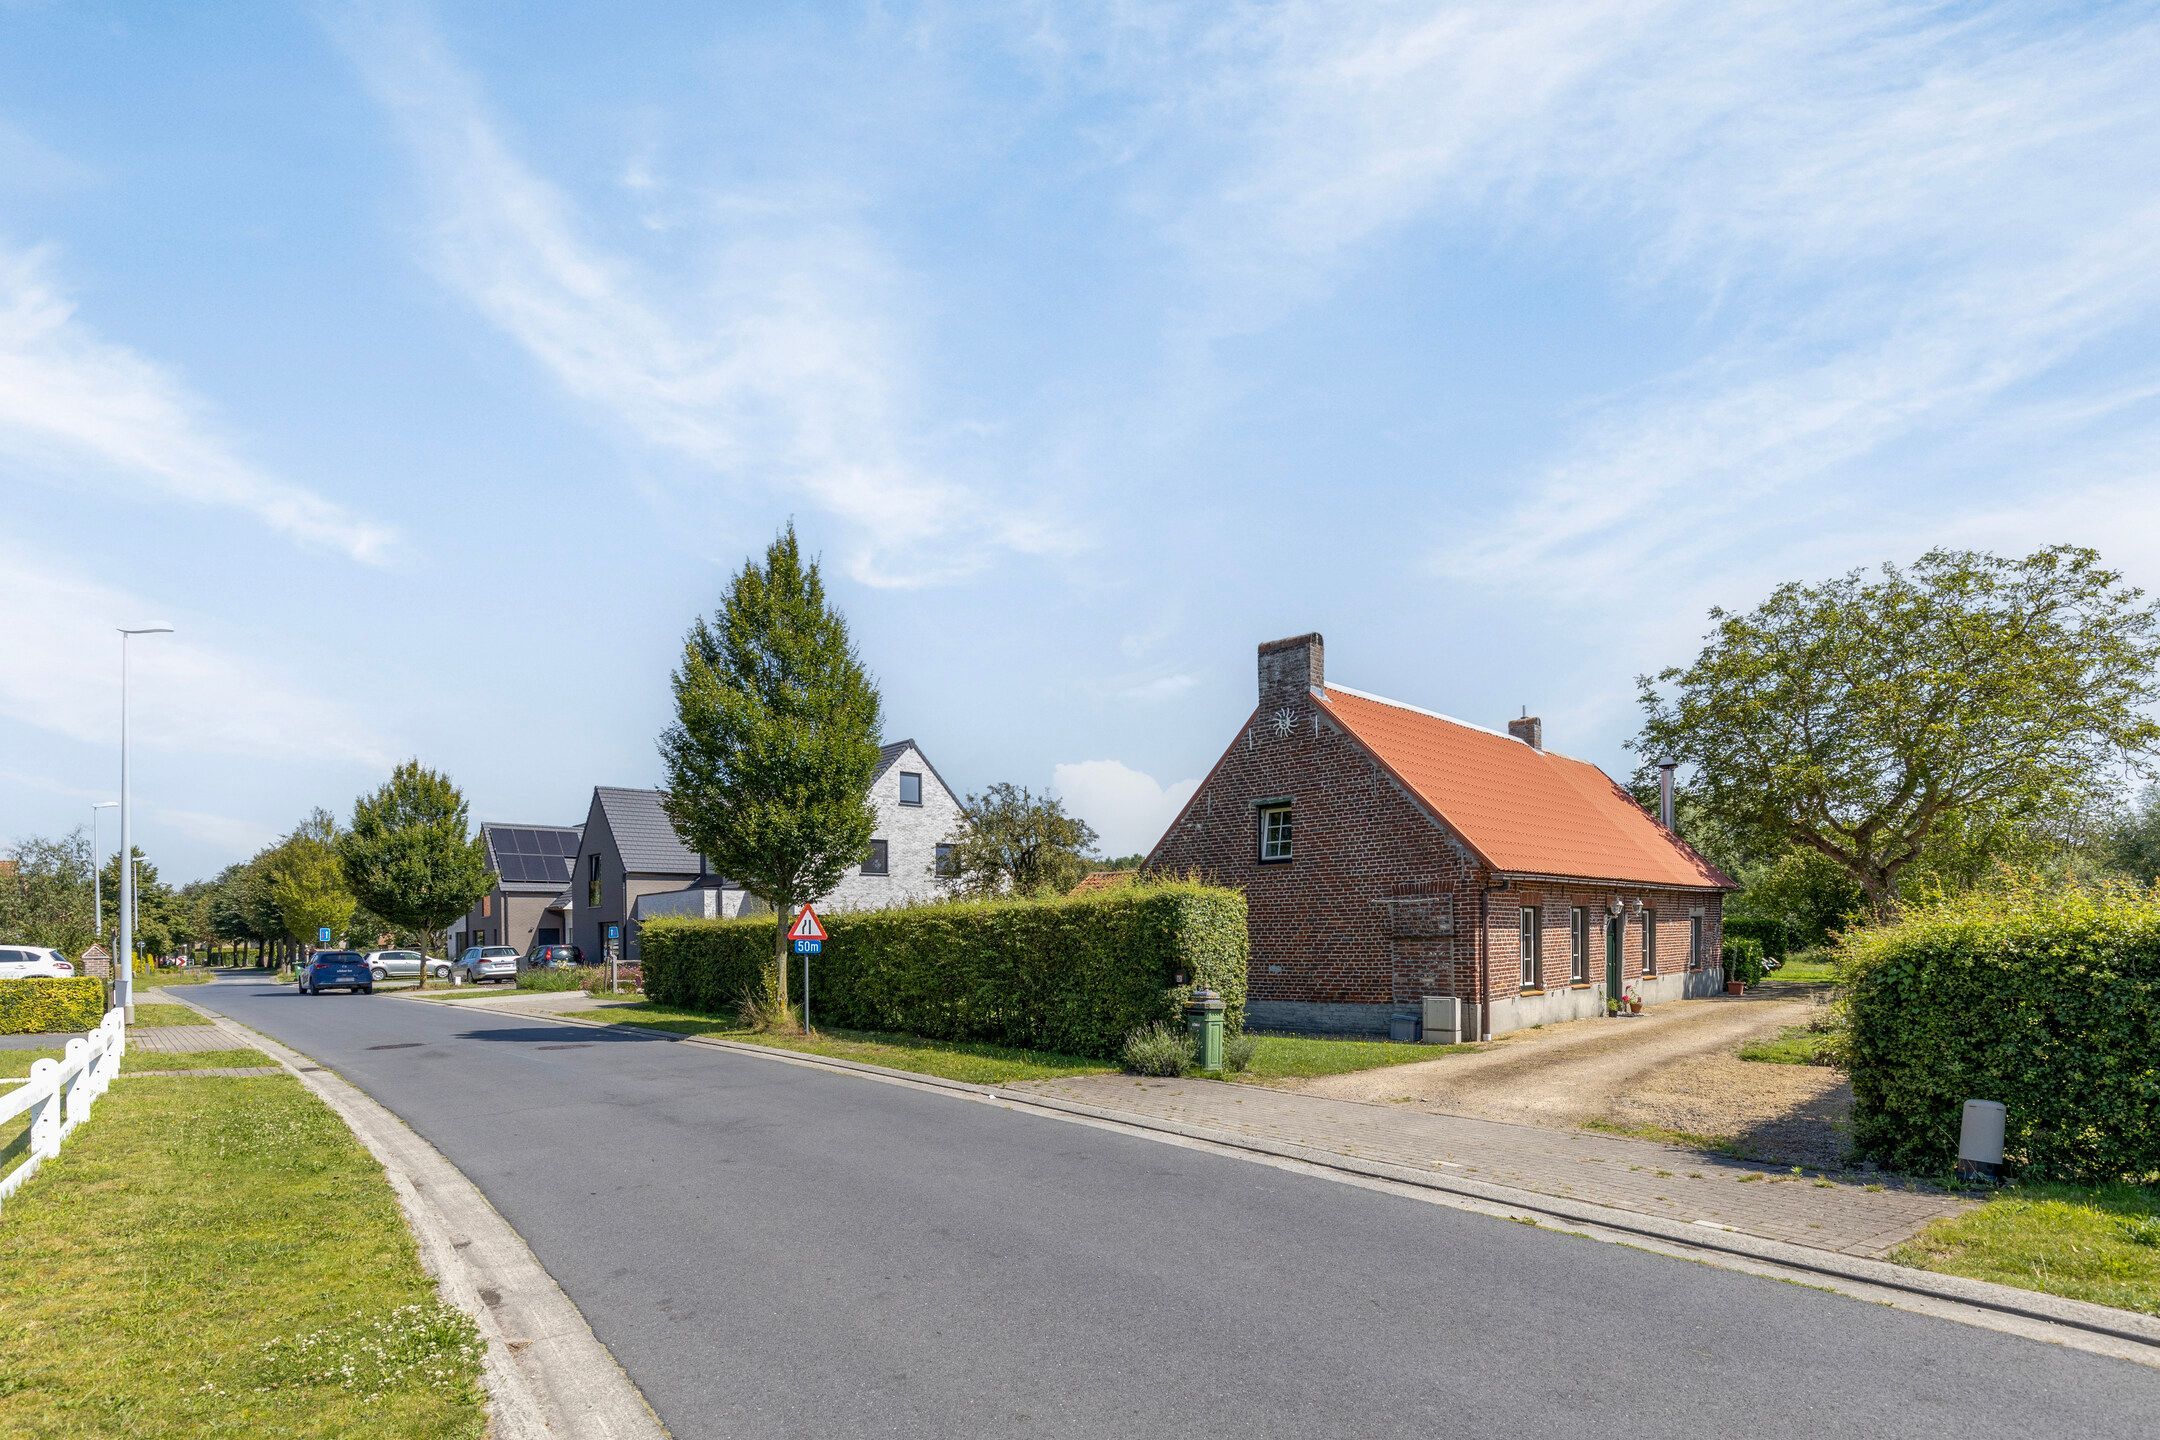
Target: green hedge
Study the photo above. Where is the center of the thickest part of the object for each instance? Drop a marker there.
(2046, 999)
(1075, 974)
(39, 1007)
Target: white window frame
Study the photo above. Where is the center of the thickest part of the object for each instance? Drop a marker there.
(1649, 942)
(1579, 945)
(1270, 854)
(1530, 943)
(1694, 942)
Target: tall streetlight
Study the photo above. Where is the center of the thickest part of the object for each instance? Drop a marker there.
(126, 956)
(97, 869)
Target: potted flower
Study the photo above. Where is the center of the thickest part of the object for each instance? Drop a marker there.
(1612, 1006)
(1634, 1001)
(1743, 964)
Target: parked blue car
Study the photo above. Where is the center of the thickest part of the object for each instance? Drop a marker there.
(336, 970)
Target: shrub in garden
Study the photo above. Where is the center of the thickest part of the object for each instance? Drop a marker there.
(1743, 959)
(2046, 998)
(1238, 1052)
(38, 1007)
(1157, 1049)
(1075, 974)
(553, 978)
(593, 979)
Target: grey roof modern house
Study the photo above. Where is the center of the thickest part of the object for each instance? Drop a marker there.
(531, 865)
(633, 867)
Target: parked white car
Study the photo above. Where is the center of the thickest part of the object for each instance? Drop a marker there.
(482, 963)
(405, 965)
(24, 962)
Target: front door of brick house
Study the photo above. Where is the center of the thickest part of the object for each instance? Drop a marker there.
(1612, 958)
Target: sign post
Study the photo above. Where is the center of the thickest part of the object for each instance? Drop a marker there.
(613, 944)
(809, 938)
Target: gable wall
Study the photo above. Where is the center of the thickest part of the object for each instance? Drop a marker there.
(911, 834)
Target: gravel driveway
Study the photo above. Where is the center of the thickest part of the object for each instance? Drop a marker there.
(1674, 1068)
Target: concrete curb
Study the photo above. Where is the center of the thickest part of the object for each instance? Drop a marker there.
(2079, 1324)
(547, 1374)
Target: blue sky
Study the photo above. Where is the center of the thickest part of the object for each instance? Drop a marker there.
(429, 367)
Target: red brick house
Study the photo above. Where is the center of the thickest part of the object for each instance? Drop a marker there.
(1397, 862)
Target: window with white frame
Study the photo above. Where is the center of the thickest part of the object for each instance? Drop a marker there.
(1649, 941)
(1529, 937)
(1694, 942)
(1275, 831)
(1579, 945)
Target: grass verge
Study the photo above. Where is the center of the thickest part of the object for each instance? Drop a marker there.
(2100, 1244)
(136, 1062)
(15, 1064)
(1794, 1045)
(1298, 1057)
(158, 979)
(948, 1059)
(149, 1015)
(182, 1315)
(1685, 1139)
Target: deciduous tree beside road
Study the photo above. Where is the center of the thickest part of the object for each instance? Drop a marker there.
(410, 855)
(775, 741)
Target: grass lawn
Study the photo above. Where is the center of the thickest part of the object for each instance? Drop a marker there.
(1804, 967)
(15, 1064)
(248, 1274)
(1794, 1045)
(135, 1062)
(2100, 1244)
(1296, 1057)
(949, 1059)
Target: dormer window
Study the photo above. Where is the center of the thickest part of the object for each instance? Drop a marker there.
(910, 788)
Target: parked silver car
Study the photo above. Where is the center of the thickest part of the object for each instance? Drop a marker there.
(405, 965)
(483, 963)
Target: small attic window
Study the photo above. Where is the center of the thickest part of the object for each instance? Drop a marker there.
(910, 788)
(1274, 832)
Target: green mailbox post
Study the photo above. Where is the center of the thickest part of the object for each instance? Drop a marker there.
(1204, 1022)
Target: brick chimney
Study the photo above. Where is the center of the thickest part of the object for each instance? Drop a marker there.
(1530, 730)
(1288, 669)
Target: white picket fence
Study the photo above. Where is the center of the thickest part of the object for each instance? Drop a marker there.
(59, 1093)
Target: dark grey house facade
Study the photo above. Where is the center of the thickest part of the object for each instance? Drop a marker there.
(531, 865)
(628, 850)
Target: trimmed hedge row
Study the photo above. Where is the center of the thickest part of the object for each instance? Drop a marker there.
(2047, 1000)
(39, 1007)
(1074, 974)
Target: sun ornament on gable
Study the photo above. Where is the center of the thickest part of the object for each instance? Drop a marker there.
(1284, 720)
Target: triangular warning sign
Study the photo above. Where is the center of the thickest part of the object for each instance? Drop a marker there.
(806, 926)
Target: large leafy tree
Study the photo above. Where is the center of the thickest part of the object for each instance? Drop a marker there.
(410, 854)
(775, 740)
(45, 892)
(1019, 843)
(304, 881)
(1870, 716)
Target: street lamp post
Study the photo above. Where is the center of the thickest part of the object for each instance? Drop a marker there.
(97, 868)
(126, 956)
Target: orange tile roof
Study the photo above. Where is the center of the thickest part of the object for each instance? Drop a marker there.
(1524, 811)
(1102, 880)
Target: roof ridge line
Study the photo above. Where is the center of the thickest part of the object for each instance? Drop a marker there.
(1436, 715)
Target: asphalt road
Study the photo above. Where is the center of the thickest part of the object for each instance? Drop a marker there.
(772, 1251)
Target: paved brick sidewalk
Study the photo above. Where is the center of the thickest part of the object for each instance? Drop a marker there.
(1825, 1212)
(177, 1039)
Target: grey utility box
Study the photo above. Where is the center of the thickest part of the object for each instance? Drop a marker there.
(1445, 1016)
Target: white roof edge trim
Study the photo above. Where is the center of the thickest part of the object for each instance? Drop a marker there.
(1434, 714)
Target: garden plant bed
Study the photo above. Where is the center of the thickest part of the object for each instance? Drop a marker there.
(300, 1311)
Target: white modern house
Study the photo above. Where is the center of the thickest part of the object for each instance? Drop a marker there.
(634, 851)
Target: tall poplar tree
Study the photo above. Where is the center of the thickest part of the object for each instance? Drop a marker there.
(775, 741)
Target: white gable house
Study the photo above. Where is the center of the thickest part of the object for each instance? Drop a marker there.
(917, 817)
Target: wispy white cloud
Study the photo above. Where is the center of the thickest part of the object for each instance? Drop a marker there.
(60, 672)
(1129, 808)
(782, 374)
(228, 833)
(70, 399)
(1897, 225)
